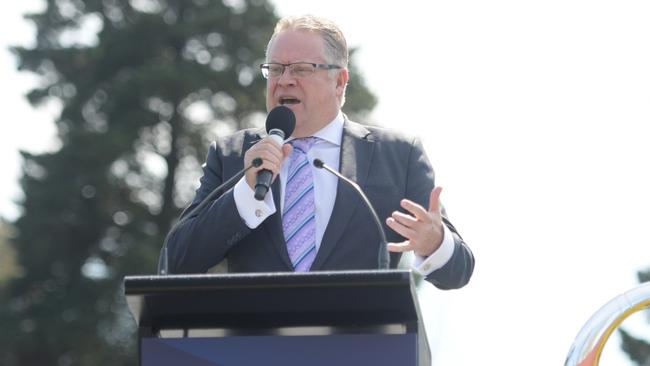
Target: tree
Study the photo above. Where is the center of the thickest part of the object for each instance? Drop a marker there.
(140, 101)
(9, 268)
(638, 350)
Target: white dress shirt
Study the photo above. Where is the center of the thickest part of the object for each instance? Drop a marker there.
(327, 149)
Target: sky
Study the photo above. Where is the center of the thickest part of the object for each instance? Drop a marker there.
(534, 116)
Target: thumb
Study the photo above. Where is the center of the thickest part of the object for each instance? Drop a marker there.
(434, 199)
(286, 150)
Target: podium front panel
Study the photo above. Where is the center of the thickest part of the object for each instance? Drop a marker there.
(315, 318)
(339, 349)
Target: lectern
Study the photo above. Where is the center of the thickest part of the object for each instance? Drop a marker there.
(315, 318)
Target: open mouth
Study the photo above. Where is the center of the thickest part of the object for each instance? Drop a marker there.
(289, 100)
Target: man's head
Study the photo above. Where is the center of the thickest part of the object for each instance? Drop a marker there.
(315, 88)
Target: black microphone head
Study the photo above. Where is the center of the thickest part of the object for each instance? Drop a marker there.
(318, 163)
(281, 118)
(257, 162)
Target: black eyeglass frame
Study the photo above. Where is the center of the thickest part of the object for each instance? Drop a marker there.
(265, 67)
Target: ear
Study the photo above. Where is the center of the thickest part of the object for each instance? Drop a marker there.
(342, 79)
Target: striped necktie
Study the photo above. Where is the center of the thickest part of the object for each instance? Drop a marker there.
(298, 216)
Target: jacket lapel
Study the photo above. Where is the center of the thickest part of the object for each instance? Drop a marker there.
(355, 158)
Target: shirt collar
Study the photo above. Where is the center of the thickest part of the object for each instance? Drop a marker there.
(333, 131)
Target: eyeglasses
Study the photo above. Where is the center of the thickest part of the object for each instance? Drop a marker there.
(298, 69)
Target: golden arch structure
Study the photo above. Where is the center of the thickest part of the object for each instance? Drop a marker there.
(591, 339)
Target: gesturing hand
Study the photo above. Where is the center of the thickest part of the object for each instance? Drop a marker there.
(422, 228)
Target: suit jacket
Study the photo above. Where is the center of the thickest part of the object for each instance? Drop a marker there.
(388, 166)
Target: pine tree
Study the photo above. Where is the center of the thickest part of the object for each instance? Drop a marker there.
(140, 103)
(9, 268)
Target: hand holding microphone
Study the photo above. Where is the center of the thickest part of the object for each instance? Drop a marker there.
(280, 124)
(272, 153)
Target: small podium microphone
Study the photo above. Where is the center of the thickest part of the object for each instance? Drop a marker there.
(382, 255)
(280, 124)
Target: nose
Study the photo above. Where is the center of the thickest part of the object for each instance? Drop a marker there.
(287, 78)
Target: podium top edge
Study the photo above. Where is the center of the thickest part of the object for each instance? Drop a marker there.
(161, 283)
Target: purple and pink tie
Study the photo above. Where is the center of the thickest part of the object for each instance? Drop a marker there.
(298, 216)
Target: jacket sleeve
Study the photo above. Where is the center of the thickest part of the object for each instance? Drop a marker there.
(420, 180)
(203, 238)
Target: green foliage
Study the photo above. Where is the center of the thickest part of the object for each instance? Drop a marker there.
(359, 99)
(140, 103)
(638, 350)
(9, 268)
(644, 276)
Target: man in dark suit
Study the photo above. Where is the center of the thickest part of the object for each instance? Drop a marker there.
(309, 221)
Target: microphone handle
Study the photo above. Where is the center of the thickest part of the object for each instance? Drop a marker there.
(265, 176)
(163, 268)
(262, 183)
(382, 258)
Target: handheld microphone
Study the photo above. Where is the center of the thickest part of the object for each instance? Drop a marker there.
(280, 124)
(163, 262)
(382, 255)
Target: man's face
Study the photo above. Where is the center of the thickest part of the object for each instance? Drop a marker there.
(315, 98)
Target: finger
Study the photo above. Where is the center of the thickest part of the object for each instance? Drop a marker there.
(267, 164)
(404, 246)
(269, 160)
(404, 219)
(434, 200)
(273, 140)
(400, 229)
(266, 151)
(272, 148)
(263, 149)
(415, 209)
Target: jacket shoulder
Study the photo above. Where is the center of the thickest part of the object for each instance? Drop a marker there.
(381, 134)
(236, 142)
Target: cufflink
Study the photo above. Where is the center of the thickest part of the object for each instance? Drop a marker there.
(259, 213)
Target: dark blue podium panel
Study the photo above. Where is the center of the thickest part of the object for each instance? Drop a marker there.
(320, 350)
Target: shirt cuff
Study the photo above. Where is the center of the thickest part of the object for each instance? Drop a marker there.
(426, 265)
(252, 211)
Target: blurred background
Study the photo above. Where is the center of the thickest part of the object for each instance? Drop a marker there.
(534, 115)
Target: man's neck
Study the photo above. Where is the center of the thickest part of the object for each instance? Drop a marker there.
(298, 133)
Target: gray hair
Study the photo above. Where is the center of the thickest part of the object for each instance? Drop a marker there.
(336, 48)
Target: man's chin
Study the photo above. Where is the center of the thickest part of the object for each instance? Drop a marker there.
(295, 107)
